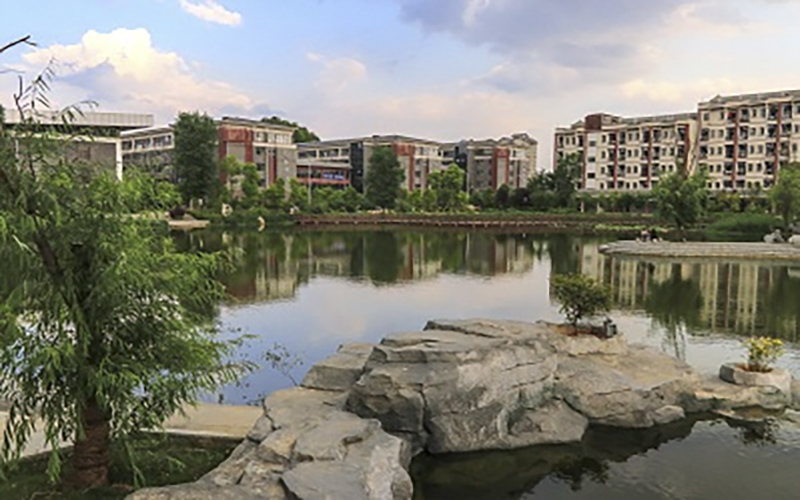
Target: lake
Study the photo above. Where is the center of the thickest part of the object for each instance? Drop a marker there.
(313, 291)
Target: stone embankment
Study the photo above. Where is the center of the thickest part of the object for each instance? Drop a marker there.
(701, 250)
(351, 429)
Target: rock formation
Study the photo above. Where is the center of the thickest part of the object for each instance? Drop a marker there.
(351, 429)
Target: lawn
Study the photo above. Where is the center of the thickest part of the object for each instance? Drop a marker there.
(161, 460)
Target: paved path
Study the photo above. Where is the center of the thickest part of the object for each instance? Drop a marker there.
(203, 420)
(697, 250)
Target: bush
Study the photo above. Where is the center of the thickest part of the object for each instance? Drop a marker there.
(746, 223)
(580, 296)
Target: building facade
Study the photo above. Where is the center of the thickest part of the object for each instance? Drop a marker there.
(744, 139)
(629, 154)
(269, 147)
(491, 163)
(90, 137)
(740, 140)
(418, 158)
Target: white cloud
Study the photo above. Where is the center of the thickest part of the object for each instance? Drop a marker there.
(211, 11)
(337, 74)
(123, 68)
(677, 92)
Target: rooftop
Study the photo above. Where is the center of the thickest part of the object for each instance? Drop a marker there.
(124, 121)
(392, 138)
(762, 96)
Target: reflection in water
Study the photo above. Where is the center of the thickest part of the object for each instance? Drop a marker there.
(275, 265)
(744, 298)
(695, 459)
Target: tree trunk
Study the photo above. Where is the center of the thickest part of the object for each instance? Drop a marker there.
(91, 454)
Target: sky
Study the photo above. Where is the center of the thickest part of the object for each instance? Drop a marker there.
(438, 69)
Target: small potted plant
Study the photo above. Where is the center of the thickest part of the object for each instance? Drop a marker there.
(762, 352)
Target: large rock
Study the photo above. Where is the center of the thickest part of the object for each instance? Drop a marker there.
(340, 371)
(637, 390)
(475, 385)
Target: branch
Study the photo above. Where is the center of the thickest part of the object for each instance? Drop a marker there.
(24, 40)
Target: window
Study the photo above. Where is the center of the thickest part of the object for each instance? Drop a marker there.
(706, 117)
(591, 159)
(590, 175)
(592, 144)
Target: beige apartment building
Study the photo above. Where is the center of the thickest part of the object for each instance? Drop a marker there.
(491, 163)
(741, 140)
(418, 157)
(628, 154)
(744, 139)
(269, 147)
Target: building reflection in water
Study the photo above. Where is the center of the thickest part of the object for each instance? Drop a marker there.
(273, 266)
(746, 298)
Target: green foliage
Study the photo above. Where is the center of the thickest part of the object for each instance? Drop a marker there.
(250, 188)
(680, 198)
(105, 329)
(298, 195)
(301, 134)
(502, 197)
(383, 178)
(786, 193)
(580, 296)
(275, 196)
(762, 352)
(564, 179)
(195, 156)
(144, 193)
(448, 188)
(746, 223)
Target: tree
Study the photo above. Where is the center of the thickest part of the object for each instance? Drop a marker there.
(786, 193)
(275, 195)
(301, 134)
(580, 296)
(680, 198)
(298, 194)
(105, 330)
(564, 179)
(448, 187)
(250, 188)
(383, 178)
(353, 200)
(502, 197)
(195, 156)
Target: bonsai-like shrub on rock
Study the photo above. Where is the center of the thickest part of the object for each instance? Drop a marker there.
(761, 353)
(580, 297)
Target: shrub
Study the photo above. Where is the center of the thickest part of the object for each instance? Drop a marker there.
(762, 352)
(746, 223)
(580, 296)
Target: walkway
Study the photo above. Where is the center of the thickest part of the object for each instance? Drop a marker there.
(697, 250)
(204, 420)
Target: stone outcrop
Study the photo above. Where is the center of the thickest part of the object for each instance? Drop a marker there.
(352, 427)
(478, 385)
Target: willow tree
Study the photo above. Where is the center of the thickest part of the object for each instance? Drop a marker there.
(105, 329)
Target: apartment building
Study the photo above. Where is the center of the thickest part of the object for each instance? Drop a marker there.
(417, 157)
(491, 163)
(269, 147)
(91, 137)
(628, 153)
(744, 139)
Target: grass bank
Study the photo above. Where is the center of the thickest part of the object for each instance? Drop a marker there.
(160, 459)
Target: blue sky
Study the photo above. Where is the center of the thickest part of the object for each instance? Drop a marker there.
(443, 69)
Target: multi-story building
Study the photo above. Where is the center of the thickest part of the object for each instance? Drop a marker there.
(628, 153)
(744, 139)
(269, 147)
(740, 140)
(491, 163)
(91, 137)
(417, 157)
